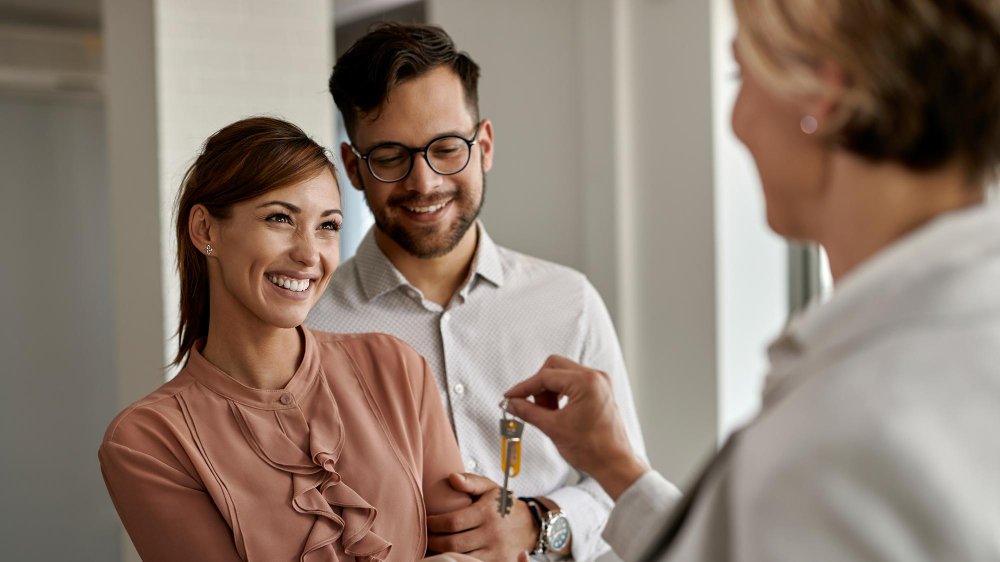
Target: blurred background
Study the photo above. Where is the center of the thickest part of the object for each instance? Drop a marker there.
(613, 156)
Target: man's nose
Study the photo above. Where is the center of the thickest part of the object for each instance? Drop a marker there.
(422, 177)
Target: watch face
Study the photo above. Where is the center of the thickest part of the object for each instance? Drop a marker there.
(557, 534)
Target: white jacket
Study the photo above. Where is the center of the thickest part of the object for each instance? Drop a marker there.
(879, 435)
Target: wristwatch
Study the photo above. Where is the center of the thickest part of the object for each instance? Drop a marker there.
(555, 534)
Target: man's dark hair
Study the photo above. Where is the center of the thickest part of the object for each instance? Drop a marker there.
(390, 54)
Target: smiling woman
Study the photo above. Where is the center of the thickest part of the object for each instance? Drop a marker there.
(263, 445)
(225, 190)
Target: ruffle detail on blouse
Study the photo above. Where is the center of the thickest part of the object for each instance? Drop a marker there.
(281, 438)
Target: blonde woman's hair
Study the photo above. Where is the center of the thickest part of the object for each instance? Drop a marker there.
(922, 76)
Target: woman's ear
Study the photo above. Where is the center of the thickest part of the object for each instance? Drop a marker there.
(202, 229)
(833, 83)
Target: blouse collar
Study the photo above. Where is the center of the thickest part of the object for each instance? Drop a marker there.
(219, 382)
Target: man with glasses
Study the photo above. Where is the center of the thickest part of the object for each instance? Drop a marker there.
(484, 316)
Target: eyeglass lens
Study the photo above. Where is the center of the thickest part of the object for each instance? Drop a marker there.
(446, 156)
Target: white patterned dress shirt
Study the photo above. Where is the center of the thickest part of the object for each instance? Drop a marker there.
(511, 314)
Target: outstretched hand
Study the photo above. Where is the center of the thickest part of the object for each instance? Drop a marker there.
(587, 429)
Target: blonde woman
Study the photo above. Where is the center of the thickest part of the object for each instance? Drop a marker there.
(875, 127)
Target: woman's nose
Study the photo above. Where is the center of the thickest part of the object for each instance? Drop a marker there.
(305, 250)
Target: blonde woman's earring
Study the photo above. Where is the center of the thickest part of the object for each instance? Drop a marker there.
(808, 124)
(209, 249)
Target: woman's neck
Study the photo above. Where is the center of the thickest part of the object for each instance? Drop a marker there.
(263, 357)
(870, 206)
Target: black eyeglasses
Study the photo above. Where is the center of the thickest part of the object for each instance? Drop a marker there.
(447, 155)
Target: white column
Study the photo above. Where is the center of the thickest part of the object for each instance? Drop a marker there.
(178, 70)
(752, 291)
(674, 326)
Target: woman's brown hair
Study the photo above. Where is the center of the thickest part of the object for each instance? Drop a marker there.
(239, 162)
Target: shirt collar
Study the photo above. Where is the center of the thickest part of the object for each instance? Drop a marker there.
(901, 284)
(378, 276)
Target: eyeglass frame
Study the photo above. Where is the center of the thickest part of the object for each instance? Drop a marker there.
(412, 150)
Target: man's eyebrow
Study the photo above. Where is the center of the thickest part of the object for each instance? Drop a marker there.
(295, 209)
(449, 133)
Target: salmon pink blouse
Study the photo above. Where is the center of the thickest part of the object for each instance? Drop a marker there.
(344, 463)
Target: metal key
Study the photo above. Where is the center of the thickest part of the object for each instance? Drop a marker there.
(510, 457)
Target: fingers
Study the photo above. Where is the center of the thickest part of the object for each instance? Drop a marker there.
(466, 518)
(472, 484)
(560, 362)
(459, 542)
(457, 521)
(538, 416)
(523, 557)
(547, 380)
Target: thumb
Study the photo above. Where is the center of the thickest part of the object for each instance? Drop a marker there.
(472, 484)
(523, 557)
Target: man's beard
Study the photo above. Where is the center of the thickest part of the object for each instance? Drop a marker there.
(426, 242)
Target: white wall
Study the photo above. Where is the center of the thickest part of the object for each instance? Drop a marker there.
(528, 58)
(56, 333)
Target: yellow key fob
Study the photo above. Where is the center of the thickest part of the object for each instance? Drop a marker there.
(510, 445)
(513, 454)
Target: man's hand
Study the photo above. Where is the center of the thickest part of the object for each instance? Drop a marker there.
(450, 557)
(588, 431)
(478, 530)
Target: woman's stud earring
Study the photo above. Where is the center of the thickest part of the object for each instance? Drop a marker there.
(209, 249)
(809, 124)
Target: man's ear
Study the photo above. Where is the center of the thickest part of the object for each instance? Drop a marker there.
(351, 163)
(486, 144)
(202, 229)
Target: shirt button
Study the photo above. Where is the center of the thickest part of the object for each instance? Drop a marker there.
(285, 399)
(470, 465)
(459, 389)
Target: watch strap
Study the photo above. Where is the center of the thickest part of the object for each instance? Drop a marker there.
(538, 512)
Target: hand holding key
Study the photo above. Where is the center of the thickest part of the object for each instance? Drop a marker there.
(587, 429)
(510, 457)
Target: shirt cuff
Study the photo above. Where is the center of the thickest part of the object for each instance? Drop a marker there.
(587, 515)
(640, 513)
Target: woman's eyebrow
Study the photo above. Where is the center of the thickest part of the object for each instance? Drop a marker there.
(288, 206)
(295, 209)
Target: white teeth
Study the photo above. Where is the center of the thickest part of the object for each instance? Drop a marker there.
(424, 210)
(297, 285)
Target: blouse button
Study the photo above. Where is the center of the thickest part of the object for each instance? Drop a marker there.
(285, 399)
(459, 389)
